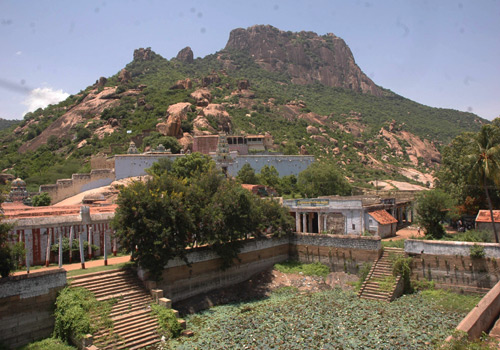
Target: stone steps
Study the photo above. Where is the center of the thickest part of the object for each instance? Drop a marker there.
(133, 325)
(381, 270)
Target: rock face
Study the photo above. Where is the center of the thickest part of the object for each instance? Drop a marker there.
(185, 84)
(202, 97)
(142, 54)
(185, 55)
(305, 56)
(124, 76)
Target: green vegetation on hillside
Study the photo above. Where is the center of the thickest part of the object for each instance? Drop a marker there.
(137, 115)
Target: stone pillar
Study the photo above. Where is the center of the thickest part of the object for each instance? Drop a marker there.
(304, 222)
(297, 222)
(82, 258)
(114, 244)
(324, 223)
(319, 222)
(71, 236)
(47, 250)
(60, 260)
(105, 249)
(28, 235)
(310, 222)
(90, 231)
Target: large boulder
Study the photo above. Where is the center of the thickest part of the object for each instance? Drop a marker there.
(312, 130)
(185, 55)
(218, 112)
(142, 54)
(201, 126)
(124, 76)
(179, 109)
(186, 141)
(202, 97)
(185, 84)
(172, 127)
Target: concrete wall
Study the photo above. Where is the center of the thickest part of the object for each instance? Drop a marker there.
(286, 165)
(130, 165)
(450, 266)
(340, 252)
(483, 316)
(414, 246)
(26, 306)
(78, 183)
(181, 281)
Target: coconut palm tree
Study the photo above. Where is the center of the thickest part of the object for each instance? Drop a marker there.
(486, 166)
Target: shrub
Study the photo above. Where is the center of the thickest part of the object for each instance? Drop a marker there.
(48, 344)
(402, 266)
(78, 313)
(41, 200)
(477, 251)
(168, 323)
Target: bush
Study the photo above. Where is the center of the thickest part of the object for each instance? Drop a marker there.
(48, 344)
(169, 325)
(41, 200)
(477, 251)
(75, 249)
(402, 266)
(78, 313)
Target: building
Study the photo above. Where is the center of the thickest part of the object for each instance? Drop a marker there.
(39, 227)
(350, 215)
(483, 220)
(242, 144)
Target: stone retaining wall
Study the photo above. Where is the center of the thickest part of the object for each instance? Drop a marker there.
(27, 306)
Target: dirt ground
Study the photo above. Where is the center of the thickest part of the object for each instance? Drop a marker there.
(261, 285)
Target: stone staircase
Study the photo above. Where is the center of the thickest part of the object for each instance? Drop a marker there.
(133, 325)
(380, 284)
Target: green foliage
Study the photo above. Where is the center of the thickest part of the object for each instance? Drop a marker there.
(363, 272)
(402, 266)
(7, 258)
(448, 301)
(169, 325)
(75, 249)
(331, 319)
(322, 179)
(40, 200)
(247, 175)
(78, 313)
(48, 344)
(192, 205)
(155, 139)
(162, 166)
(269, 176)
(477, 251)
(293, 266)
(460, 341)
(432, 208)
(400, 243)
(484, 236)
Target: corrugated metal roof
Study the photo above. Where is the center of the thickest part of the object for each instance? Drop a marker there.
(485, 216)
(383, 217)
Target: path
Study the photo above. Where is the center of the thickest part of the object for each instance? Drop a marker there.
(77, 266)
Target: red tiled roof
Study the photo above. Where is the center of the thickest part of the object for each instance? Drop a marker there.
(485, 216)
(19, 211)
(383, 217)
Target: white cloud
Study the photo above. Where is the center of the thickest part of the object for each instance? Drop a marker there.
(19, 53)
(42, 97)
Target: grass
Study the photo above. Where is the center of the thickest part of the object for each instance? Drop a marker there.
(293, 266)
(386, 284)
(79, 272)
(449, 301)
(48, 344)
(400, 243)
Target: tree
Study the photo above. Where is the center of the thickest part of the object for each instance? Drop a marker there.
(190, 165)
(153, 222)
(322, 179)
(41, 200)
(432, 207)
(155, 139)
(269, 176)
(486, 167)
(7, 260)
(247, 175)
(163, 165)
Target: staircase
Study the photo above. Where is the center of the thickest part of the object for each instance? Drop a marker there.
(133, 325)
(380, 284)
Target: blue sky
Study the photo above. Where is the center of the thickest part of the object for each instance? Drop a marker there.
(439, 53)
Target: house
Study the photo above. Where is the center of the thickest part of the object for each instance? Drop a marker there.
(381, 223)
(483, 220)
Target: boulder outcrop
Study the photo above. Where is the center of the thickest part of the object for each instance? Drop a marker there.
(185, 55)
(305, 56)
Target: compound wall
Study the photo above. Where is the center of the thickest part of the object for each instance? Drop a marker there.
(27, 306)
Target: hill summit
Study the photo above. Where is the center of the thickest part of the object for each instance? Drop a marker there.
(305, 56)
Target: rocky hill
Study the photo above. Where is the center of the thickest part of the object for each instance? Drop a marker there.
(306, 57)
(305, 90)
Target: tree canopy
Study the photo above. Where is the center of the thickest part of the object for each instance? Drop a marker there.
(158, 219)
(432, 207)
(322, 179)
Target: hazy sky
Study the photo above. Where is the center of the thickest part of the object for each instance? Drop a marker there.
(437, 52)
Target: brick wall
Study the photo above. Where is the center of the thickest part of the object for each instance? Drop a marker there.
(27, 305)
